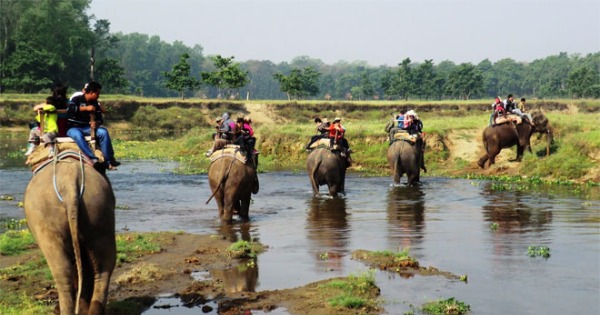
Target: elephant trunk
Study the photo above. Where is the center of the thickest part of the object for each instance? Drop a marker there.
(550, 139)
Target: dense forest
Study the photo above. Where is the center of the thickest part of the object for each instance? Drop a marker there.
(43, 42)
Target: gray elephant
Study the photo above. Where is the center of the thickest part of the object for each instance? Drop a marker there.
(70, 210)
(507, 135)
(327, 167)
(232, 183)
(406, 157)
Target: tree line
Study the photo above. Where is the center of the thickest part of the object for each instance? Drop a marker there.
(47, 41)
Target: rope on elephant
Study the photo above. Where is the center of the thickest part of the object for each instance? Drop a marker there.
(41, 156)
(223, 176)
(64, 155)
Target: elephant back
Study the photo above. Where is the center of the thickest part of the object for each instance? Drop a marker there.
(510, 118)
(404, 135)
(230, 150)
(325, 143)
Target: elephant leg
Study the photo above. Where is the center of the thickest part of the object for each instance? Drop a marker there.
(220, 202)
(333, 190)
(245, 207)
(227, 209)
(482, 161)
(315, 186)
(103, 256)
(63, 271)
(520, 151)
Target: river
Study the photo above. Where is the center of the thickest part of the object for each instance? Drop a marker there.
(446, 223)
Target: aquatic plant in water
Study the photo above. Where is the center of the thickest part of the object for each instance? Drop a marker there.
(541, 251)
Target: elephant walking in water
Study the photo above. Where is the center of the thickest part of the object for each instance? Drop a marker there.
(327, 167)
(507, 135)
(406, 157)
(70, 210)
(232, 181)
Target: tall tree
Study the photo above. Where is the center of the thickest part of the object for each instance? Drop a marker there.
(424, 79)
(180, 79)
(464, 81)
(584, 82)
(228, 76)
(112, 76)
(299, 83)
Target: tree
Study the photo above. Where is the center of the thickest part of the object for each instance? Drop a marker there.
(464, 81)
(424, 80)
(227, 77)
(584, 82)
(179, 79)
(102, 40)
(405, 84)
(112, 76)
(299, 83)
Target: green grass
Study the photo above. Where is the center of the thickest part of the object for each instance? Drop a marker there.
(244, 249)
(33, 274)
(449, 306)
(131, 246)
(14, 242)
(352, 292)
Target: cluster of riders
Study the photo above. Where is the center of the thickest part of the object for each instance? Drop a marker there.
(502, 110)
(76, 117)
(75, 121)
(238, 132)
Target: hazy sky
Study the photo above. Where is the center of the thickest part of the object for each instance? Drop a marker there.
(381, 32)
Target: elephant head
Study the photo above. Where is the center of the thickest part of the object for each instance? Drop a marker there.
(542, 126)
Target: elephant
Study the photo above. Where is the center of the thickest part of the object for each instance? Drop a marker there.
(70, 210)
(327, 167)
(507, 135)
(406, 157)
(232, 183)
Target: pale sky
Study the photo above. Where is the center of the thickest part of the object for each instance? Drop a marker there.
(380, 32)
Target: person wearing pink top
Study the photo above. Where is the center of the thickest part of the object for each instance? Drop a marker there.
(249, 136)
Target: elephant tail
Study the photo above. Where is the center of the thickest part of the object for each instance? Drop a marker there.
(71, 202)
(223, 178)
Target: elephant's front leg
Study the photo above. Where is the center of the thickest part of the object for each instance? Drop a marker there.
(520, 151)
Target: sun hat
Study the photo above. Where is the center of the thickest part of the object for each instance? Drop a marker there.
(337, 119)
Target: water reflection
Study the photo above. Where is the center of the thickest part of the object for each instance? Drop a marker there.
(406, 218)
(514, 211)
(327, 229)
(235, 232)
(240, 278)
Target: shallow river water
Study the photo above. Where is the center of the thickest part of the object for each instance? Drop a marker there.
(445, 223)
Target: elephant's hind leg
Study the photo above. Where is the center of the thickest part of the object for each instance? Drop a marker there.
(245, 207)
(63, 271)
(103, 259)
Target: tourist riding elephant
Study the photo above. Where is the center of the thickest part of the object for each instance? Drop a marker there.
(70, 210)
(406, 157)
(232, 183)
(507, 135)
(327, 167)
